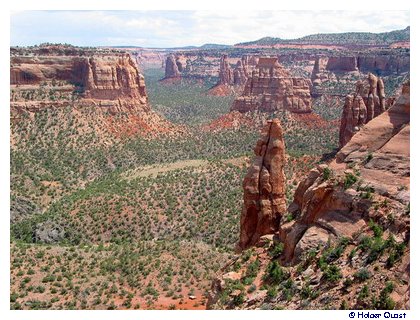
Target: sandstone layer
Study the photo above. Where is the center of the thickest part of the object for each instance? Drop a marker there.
(264, 187)
(380, 152)
(106, 79)
(104, 85)
(225, 71)
(367, 102)
(271, 88)
(240, 74)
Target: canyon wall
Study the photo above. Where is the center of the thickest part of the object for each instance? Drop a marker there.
(110, 80)
(328, 203)
(367, 102)
(271, 88)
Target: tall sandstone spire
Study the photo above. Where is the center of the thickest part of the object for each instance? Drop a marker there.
(264, 187)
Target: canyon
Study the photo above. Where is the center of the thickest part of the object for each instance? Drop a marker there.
(266, 175)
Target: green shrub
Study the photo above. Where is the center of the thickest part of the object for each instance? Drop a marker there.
(349, 180)
(274, 273)
(364, 293)
(332, 273)
(377, 230)
(384, 302)
(362, 275)
(276, 250)
(326, 173)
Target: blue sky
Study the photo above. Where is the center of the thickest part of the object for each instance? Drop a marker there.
(182, 28)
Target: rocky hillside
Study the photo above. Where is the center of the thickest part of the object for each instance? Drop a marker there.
(344, 242)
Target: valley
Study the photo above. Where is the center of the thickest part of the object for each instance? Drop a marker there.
(130, 174)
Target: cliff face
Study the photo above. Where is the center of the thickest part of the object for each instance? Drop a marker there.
(367, 102)
(271, 88)
(264, 187)
(343, 68)
(384, 64)
(377, 63)
(114, 78)
(380, 152)
(225, 72)
(342, 64)
(240, 74)
(109, 80)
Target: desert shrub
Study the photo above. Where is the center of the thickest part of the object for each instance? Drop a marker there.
(349, 180)
(362, 275)
(332, 273)
(274, 273)
(384, 302)
(276, 250)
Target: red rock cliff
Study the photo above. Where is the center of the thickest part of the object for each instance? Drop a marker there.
(366, 103)
(107, 79)
(328, 206)
(225, 71)
(272, 88)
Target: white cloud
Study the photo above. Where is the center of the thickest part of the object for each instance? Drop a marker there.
(179, 28)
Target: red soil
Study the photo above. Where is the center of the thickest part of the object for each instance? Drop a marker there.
(231, 120)
(220, 90)
(312, 120)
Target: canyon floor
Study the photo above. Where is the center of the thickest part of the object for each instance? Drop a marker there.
(104, 218)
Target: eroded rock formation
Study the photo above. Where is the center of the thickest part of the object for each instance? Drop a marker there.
(264, 187)
(172, 67)
(110, 80)
(239, 74)
(225, 71)
(366, 103)
(104, 85)
(272, 88)
(347, 221)
(342, 64)
(381, 153)
(319, 75)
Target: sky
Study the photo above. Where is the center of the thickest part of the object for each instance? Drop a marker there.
(165, 29)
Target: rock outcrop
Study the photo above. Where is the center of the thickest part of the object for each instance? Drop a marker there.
(264, 187)
(381, 153)
(172, 67)
(109, 79)
(239, 74)
(272, 88)
(384, 63)
(366, 103)
(225, 72)
(98, 83)
(342, 64)
(112, 79)
(319, 75)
